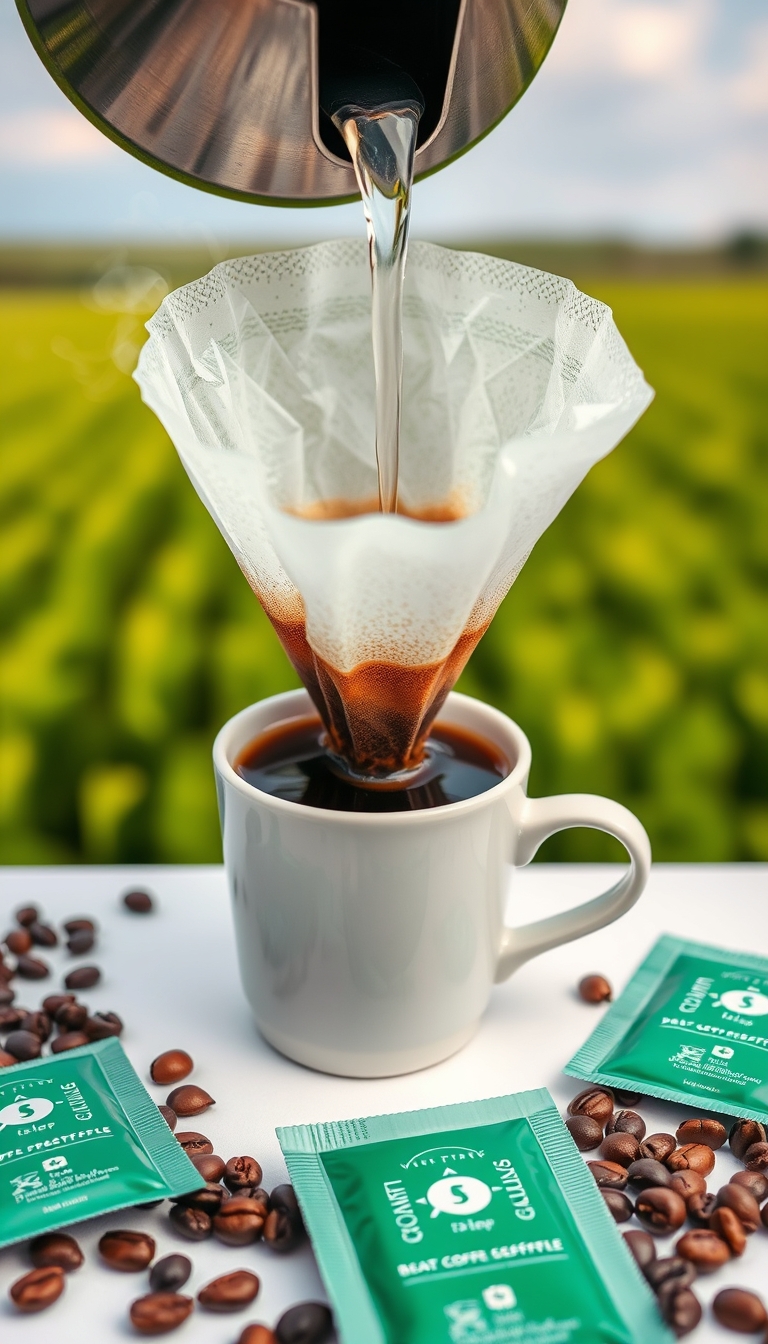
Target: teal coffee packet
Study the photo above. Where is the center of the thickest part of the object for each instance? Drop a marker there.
(691, 1026)
(463, 1223)
(79, 1136)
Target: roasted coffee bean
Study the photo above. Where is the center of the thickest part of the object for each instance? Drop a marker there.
(138, 902)
(660, 1210)
(284, 1228)
(38, 1289)
(192, 1142)
(171, 1066)
(756, 1157)
(42, 934)
(53, 1002)
(76, 925)
(80, 942)
(306, 1323)
(705, 1130)
(189, 1099)
(737, 1309)
(159, 1313)
(645, 1173)
(102, 1025)
(239, 1221)
(69, 1040)
(71, 1016)
(753, 1181)
(743, 1203)
(706, 1251)
(83, 977)
(256, 1334)
(210, 1166)
(729, 1226)
(618, 1202)
(255, 1192)
(693, 1156)
(127, 1251)
(24, 1045)
(595, 989)
(671, 1267)
(593, 1101)
(208, 1198)
(284, 1197)
(626, 1122)
(55, 1248)
(701, 1207)
(32, 968)
(687, 1183)
(230, 1292)
(586, 1133)
(621, 1148)
(18, 941)
(170, 1117)
(27, 915)
(626, 1098)
(658, 1146)
(39, 1023)
(642, 1247)
(191, 1223)
(170, 1273)
(6, 1060)
(609, 1175)
(6, 972)
(7, 995)
(679, 1307)
(242, 1171)
(11, 1017)
(743, 1134)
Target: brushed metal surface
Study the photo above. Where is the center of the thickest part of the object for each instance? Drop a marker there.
(222, 94)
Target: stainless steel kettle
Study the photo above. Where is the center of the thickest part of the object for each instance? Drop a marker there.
(225, 95)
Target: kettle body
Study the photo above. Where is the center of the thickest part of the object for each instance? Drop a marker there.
(224, 94)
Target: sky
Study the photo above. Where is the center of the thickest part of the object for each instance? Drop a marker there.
(648, 120)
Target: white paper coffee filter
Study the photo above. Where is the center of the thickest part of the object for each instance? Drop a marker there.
(515, 383)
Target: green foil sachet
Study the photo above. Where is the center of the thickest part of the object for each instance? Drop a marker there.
(463, 1223)
(691, 1026)
(80, 1136)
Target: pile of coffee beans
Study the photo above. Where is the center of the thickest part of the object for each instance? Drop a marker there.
(163, 1308)
(61, 1022)
(231, 1204)
(660, 1179)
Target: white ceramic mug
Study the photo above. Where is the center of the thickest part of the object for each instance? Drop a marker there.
(369, 942)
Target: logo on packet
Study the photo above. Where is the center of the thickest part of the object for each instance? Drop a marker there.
(747, 1001)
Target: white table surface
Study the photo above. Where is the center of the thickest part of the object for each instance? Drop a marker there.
(173, 978)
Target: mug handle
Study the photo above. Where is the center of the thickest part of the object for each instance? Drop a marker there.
(538, 819)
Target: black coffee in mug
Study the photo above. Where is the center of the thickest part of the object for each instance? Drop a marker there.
(290, 760)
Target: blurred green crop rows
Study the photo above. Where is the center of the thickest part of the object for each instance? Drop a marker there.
(633, 649)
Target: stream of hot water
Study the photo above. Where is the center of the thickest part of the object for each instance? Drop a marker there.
(382, 144)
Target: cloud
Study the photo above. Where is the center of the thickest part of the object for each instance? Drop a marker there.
(749, 86)
(51, 138)
(655, 42)
(636, 40)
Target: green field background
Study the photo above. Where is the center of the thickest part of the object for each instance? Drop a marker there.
(633, 648)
